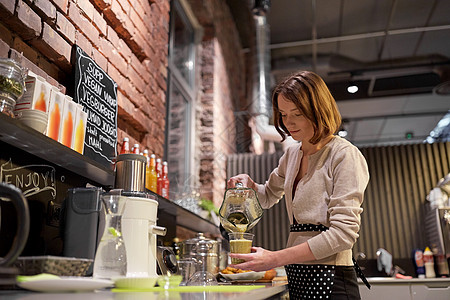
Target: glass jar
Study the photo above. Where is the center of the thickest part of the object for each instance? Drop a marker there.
(12, 78)
(7, 104)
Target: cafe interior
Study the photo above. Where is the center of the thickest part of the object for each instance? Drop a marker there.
(188, 83)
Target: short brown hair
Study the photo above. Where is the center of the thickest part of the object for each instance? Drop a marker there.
(312, 97)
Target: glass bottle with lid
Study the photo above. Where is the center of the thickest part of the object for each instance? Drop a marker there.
(240, 210)
(12, 84)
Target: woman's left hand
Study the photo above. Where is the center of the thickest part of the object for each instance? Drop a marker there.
(259, 260)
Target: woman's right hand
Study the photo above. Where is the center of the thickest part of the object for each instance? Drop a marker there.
(242, 178)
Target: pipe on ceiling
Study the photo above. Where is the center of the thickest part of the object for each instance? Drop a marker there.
(261, 106)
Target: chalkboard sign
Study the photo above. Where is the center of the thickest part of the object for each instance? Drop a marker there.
(97, 92)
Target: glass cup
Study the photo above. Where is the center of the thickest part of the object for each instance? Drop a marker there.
(240, 242)
(186, 268)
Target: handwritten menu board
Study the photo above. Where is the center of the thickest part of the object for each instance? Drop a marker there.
(97, 92)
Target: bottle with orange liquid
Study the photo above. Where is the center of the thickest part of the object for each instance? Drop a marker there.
(152, 182)
(147, 168)
(125, 146)
(164, 183)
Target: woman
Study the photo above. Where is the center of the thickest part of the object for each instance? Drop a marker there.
(323, 179)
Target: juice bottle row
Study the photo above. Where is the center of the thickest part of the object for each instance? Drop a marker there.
(156, 174)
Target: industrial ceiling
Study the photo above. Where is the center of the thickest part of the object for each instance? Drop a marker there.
(396, 51)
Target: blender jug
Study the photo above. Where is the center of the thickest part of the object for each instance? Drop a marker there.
(240, 210)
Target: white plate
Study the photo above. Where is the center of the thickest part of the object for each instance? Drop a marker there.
(244, 276)
(66, 284)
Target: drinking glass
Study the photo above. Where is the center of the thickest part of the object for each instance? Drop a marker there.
(240, 242)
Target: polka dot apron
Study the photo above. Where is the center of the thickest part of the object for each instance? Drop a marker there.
(312, 281)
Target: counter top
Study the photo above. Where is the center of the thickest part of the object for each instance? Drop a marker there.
(256, 294)
(391, 280)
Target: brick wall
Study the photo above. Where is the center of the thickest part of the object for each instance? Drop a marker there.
(221, 84)
(127, 38)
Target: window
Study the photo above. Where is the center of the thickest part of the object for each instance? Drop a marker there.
(180, 120)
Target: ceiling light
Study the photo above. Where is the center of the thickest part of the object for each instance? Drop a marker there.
(440, 132)
(352, 88)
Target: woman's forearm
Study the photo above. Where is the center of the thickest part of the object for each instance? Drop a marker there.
(296, 254)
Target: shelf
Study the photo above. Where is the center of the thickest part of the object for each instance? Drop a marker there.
(29, 140)
(186, 218)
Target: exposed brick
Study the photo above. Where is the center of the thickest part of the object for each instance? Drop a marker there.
(124, 50)
(45, 9)
(101, 4)
(6, 8)
(125, 5)
(87, 8)
(136, 79)
(112, 36)
(26, 50)
(65, 27)
(130, 91)
(146, 107)
(139, 67)
(6, 35)
(28, 23)
(125, 29)
(108, 49)
(63, 5)
(51, 70)
(137, 21)
(114, 14)
(115, 75)
(134, 117)
(26, 63)
(160, 79)
(100, 59)
(139, 46)
(53, 46)
(4, 49)
(81, 22)
(100, 22)
(83, 42)
(139, 7)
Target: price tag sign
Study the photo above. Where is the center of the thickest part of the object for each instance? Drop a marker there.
(97, 92)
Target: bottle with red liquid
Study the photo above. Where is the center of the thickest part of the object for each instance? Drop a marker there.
(125, 146)
(147, 167)
(164, 181)
(158, 168)
(136, 149)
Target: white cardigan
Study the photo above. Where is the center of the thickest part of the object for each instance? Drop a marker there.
(331, 193)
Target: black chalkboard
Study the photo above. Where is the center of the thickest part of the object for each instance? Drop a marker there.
(97, 92)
